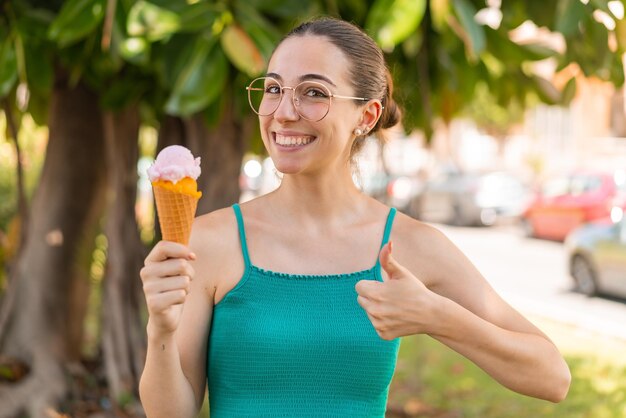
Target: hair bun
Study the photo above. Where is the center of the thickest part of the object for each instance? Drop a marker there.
(391, 114)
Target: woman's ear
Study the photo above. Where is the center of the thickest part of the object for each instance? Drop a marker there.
(371, 113)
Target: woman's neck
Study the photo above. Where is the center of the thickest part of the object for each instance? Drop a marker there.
(307, 199)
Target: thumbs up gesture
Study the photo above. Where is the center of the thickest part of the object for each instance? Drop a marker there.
(401, 304)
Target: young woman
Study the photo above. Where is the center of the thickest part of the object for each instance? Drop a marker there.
(293, 304)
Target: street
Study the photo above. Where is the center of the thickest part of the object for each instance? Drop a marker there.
(532, 276)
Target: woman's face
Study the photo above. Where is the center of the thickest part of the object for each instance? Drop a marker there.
(319, 145)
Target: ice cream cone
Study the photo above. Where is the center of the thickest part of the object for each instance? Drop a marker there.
(176, 212)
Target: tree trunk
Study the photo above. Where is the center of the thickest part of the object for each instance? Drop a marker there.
(123, 342)
(50, 298)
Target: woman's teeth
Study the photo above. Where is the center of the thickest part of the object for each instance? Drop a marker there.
(292, 141)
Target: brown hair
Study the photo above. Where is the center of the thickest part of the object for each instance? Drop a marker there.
(368, 72)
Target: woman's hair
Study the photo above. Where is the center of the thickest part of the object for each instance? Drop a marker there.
(368, 72)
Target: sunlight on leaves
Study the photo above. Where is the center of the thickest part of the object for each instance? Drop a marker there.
(392, 21)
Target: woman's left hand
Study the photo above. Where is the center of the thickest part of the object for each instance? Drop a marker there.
(401, 304)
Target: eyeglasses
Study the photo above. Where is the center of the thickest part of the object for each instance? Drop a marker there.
(311, 99)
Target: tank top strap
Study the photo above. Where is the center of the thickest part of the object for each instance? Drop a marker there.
(388, 226)
(242, 235)
(386, 234)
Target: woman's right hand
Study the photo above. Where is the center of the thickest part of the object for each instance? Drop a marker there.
(166, 276)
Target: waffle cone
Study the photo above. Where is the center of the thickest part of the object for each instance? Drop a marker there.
(176, 212)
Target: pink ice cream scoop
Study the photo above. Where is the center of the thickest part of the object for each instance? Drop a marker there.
(174, 163)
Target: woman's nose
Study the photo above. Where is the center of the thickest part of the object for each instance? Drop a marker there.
(286, 110)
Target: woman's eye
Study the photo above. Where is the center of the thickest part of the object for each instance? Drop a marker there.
(313, 92)
(272, 89)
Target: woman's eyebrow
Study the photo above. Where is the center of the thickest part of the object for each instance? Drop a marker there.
(316, 77)
(304, 77)
(274, 75)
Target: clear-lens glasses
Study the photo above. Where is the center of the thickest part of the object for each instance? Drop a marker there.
(311, 99)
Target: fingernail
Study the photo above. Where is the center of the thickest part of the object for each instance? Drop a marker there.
(192, 256)
(390, 246)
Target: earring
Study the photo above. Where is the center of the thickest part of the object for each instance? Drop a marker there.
(358, 132)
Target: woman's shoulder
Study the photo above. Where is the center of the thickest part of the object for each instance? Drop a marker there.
(215, 240)
(215, 226)
(217, 232)
(415, 233)
(423, 248)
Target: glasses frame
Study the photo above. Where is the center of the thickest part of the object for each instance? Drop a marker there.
(331, 96)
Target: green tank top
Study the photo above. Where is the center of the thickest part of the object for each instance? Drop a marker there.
(292, 345)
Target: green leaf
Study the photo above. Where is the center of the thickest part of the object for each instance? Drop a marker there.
(411, 46)
(590, 50)
(201, 82)
(199, 16)
(122, 92)
(392, 21)
(38, 105)
(151, 21)
(176, 6)
(513, 14)
(569, 92)
(76, 20)
(171, 58)
(241, 51)
(542, 13)
(602, 5)
(34, 23)
(135, 50)
(39, 70)
(512, 53)
(475, 34)
(617, 71)
(263, 33)
(439, 12)
(285, 8)
(8, 64)
(546, 90)
(570, 14)
(538, 52)
(620, 35)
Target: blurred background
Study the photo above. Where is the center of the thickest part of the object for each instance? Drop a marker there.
(513, 143)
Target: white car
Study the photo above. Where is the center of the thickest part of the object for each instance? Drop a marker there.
(597, 256)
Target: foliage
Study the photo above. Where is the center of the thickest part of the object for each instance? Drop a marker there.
(183, 57)
(495, 119)
(439, 68)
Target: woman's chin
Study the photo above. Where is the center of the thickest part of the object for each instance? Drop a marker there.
(288, 169)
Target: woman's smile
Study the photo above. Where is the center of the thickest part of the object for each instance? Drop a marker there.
(292, 141)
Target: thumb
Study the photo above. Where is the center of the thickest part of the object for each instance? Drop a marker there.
(388, 263)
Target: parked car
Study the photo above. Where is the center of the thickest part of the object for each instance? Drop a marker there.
(403, 192)
(567, 202)
(597, 256)
(394, 190)
(460, 198)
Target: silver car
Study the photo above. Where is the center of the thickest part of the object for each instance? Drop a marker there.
(459, 198)
(597, 256)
